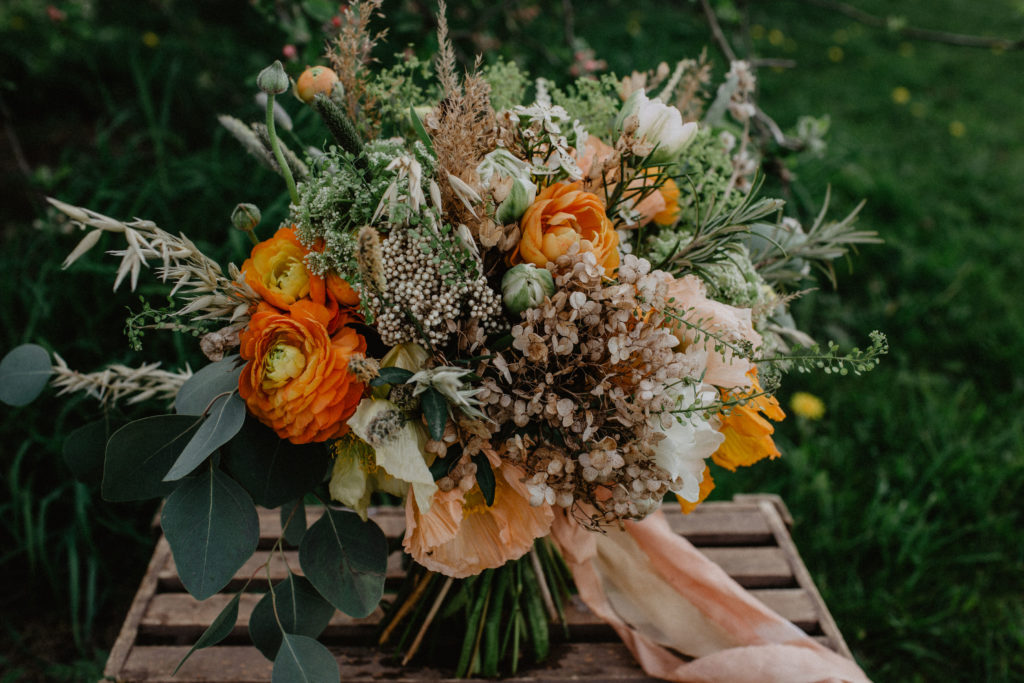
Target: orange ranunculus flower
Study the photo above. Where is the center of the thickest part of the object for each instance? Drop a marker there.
(748, 435)
(460, 535)
(564, 215)
(276, 269)
(297, 380)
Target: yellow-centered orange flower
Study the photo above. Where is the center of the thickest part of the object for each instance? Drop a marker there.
(564, 215)
(297, 380)
(748, 435)
(276, 269)
(460, 535)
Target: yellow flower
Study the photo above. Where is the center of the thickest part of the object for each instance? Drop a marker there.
(748, 435)
(900, 95)
(807, 405)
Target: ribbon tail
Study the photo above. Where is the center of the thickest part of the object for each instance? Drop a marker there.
(683, 618)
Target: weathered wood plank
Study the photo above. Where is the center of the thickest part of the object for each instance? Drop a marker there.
(593, 662)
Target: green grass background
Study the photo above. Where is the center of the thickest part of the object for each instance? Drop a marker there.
(907, 495)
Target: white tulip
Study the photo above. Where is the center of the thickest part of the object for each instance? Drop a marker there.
(657, 124)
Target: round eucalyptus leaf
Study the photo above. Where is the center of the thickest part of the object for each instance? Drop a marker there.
(301, 609)
(84, 449)
(139, 455)
(212, 527)
(345, 558)
(24, 372)
(274, 471)
(196, 394)
(303, 660)
(223, 422)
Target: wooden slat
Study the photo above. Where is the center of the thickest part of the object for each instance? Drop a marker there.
(125, 642)
(593, 662)
(803, 577)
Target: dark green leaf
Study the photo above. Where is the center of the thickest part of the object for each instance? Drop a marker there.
(218, 630)
(435, 409)
(225, 419)
(24, 372)
(304, 660)
(345, 558)
(301, 609)
(441, 467)
(421, 132)
(212, 526)
(139, 454)
(272, 470)
(391, 375)
(485, 477)
(196, 394)
(293, 521)
(84, 449)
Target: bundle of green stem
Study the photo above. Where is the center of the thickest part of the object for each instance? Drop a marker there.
(491, 620)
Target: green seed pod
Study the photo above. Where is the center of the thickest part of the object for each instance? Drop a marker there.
(245, 217)
(273, 80)
(525, 286)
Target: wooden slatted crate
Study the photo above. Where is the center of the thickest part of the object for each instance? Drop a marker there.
(748, 537)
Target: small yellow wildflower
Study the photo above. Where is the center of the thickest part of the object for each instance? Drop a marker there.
(841, 36)
(757, 32)
(150, 39)
(835, 54)
(906, 49)
(957, 129)
(776, 37)
(900, 95)
(807, 405)
(918, 109)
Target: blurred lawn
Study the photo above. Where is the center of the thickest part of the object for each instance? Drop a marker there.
(907, 494)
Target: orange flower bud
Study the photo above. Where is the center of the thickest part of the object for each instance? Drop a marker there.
(315, 80)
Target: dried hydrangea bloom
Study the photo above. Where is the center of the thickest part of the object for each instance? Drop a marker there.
(596, 364)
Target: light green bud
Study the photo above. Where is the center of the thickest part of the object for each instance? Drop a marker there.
(519, 198)
(525, 286)
(273, 80)
(245, 217)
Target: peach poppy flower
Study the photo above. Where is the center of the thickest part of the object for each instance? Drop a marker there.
(297, 380)
(724, 369)
(460, 535)
(748, 435)
(564, 215)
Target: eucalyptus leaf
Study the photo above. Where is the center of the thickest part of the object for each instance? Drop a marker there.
(84, 449)
(435, 409)
(345, 558)
(139, 454)
(391, 375)
(485, 477)
(293, 521)
(217, 631)
(24, 372)
(212, 527)
(274, 471)
(225, 419)
(196, 394)
(303, 660)
(301, 609)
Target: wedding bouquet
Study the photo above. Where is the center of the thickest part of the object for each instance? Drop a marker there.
(521, 312)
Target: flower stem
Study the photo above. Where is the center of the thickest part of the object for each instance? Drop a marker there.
(276, 147)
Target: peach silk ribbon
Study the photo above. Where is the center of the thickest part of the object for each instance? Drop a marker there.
(661, 594)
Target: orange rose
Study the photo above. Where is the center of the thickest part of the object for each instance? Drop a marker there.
(297, 380)
(564, 215)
